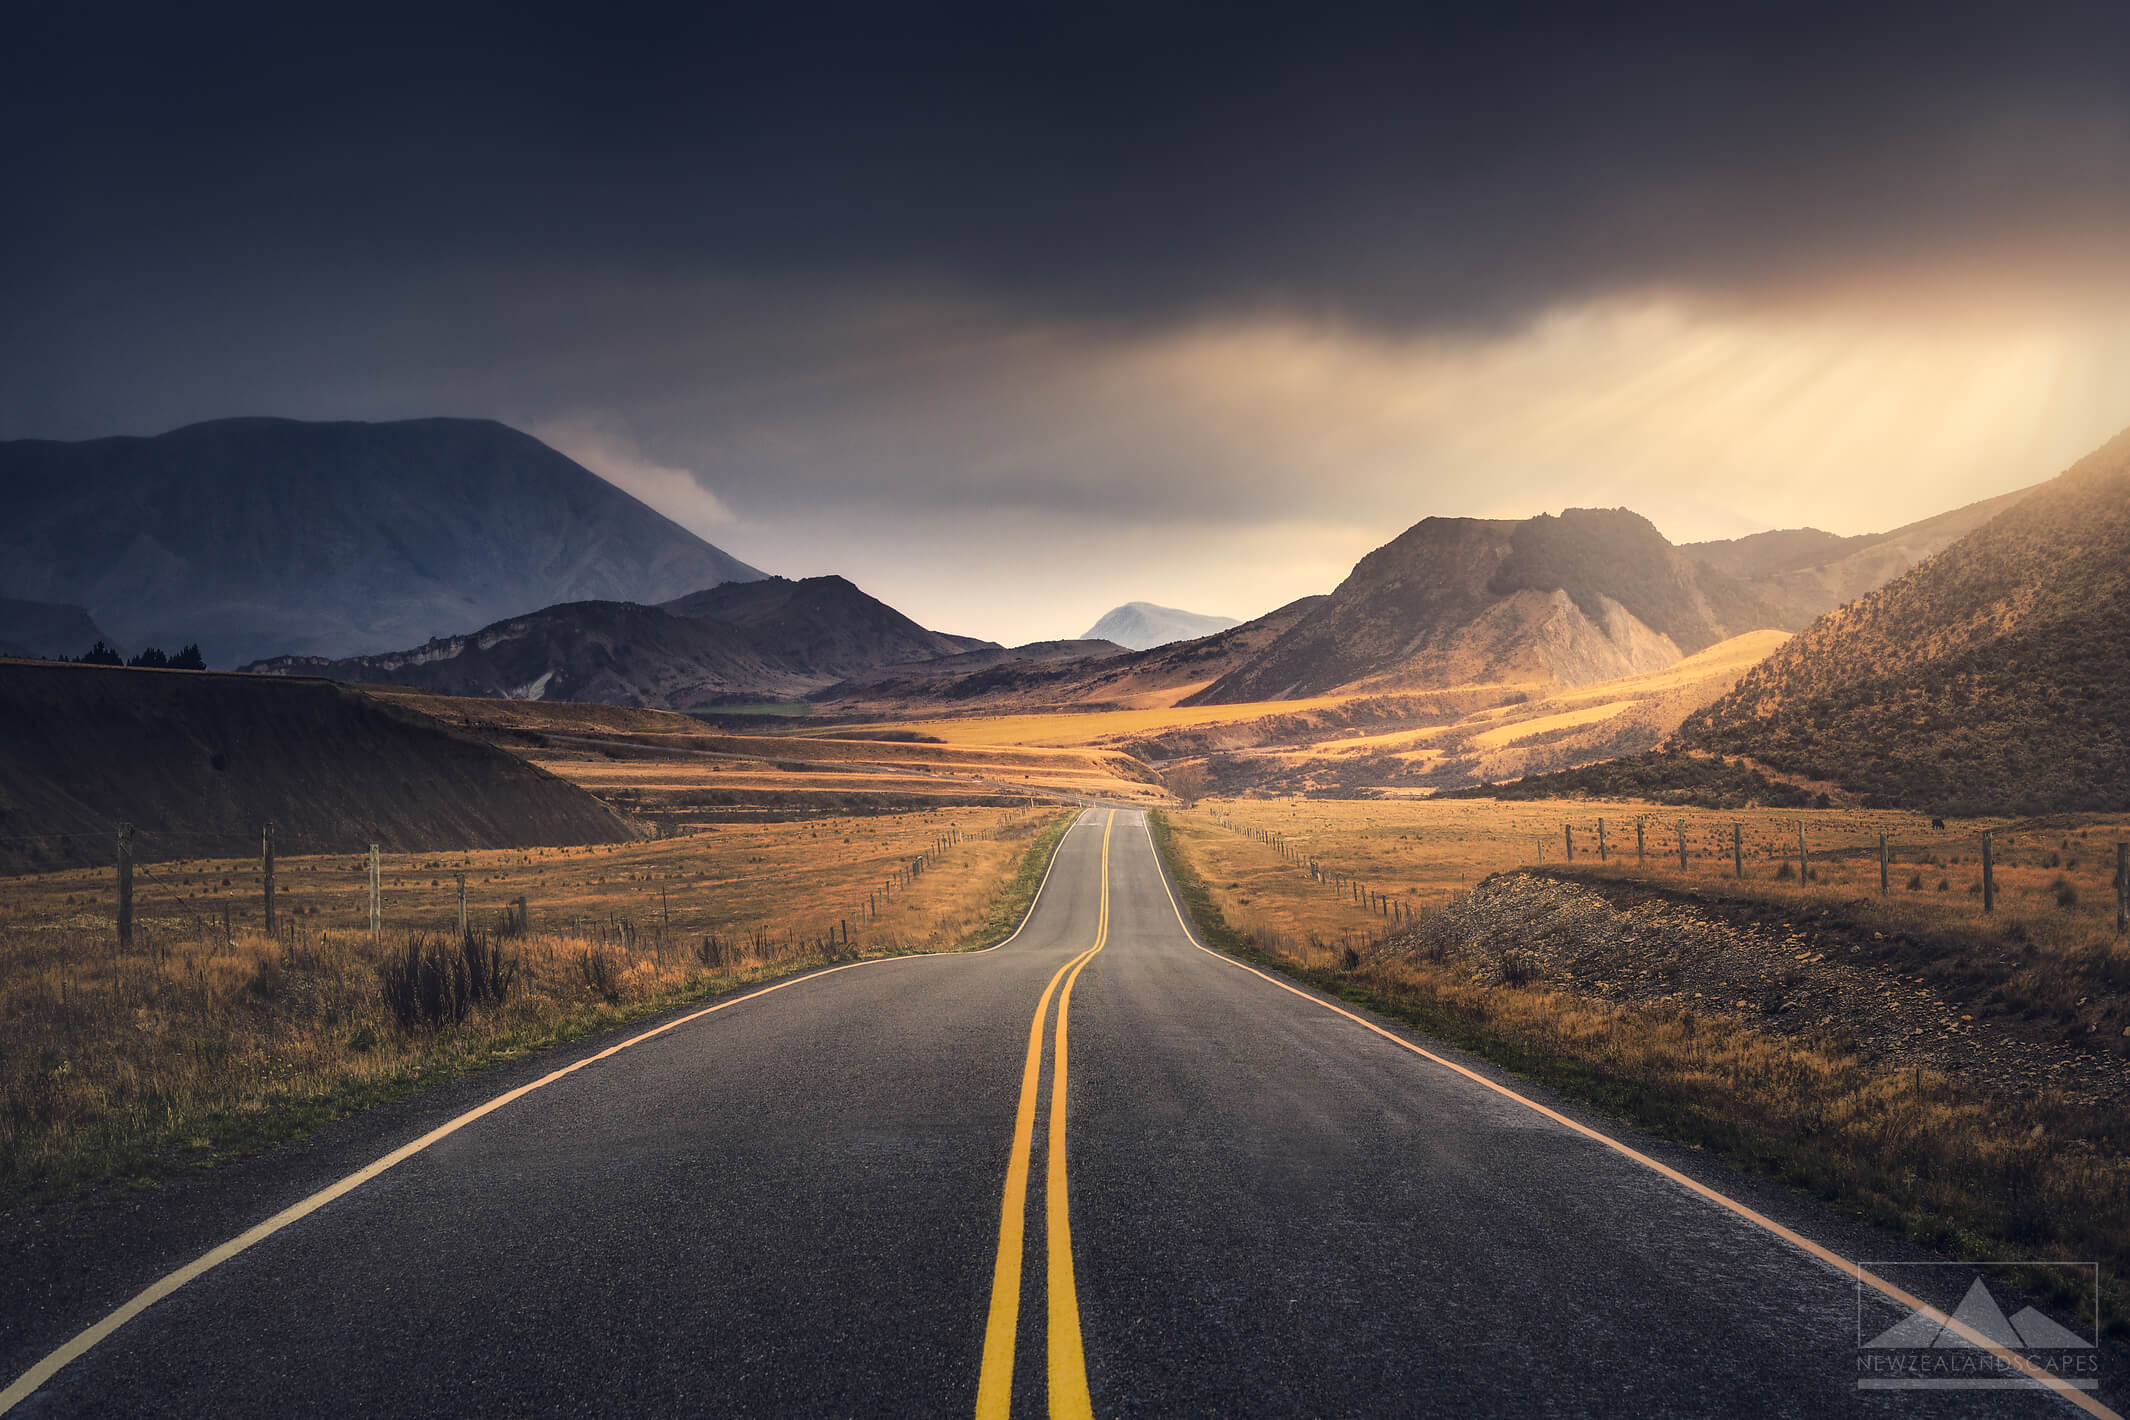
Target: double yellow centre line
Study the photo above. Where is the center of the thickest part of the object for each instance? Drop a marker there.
(1068, 1364)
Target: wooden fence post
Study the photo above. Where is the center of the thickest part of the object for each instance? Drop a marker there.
(524, 918)
(1682, 845)
(1601, 840)
(1989, 874)
(125, 886)
(1639, 856)
(1804, 862)
(2122, 887)
(376, 888)
(1737, 851)
(1568, 833)
(462, 906)
(266, 871)
(1885, 869)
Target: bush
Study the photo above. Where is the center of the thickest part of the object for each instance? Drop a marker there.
(597, 967)
(714, 952)
(430, 985)
(2066, 891)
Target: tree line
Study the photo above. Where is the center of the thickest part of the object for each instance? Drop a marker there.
(153, 658)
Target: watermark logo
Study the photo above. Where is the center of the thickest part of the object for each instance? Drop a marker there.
(1964, 1338)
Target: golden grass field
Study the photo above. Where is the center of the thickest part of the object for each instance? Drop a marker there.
(680, 772)
(1422, 851)
(199, 1042)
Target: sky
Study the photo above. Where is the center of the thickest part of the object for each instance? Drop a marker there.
(1014, 313)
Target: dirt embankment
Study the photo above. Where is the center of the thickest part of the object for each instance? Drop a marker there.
(197, 761)
(2003, 1020)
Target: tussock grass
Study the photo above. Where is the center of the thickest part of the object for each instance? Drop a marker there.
(1916, 1151)
(195, 1046)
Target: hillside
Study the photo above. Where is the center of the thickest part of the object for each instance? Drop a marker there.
(46, 629)
(822, 626)
(770, 639)
(1141, 626)
(1989, 678)
(1804, 573)
(197, 761)
(1590, 595)
(254, 537)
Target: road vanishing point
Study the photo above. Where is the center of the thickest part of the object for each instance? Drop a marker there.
(1099, 1169)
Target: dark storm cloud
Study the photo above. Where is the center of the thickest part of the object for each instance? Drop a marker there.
(1400, 163)
(721, 229)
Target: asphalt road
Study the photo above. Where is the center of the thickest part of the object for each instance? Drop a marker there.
(795, 1205)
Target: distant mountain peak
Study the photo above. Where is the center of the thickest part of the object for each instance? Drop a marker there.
(1140, 626)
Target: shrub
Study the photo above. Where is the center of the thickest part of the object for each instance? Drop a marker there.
(489, 973)
(2066, 891)
(597, 967)
(431, 985)
(714, 952)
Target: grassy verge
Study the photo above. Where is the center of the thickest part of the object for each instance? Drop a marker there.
(1916, 1152)
(116, 1071)
(1018, 896)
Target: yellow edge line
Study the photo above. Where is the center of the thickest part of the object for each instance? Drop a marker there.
(30, 1381)
(1069, 1399)
(1833, 1259)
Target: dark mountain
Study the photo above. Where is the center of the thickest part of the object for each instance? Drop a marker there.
(1587, 596)
(198, 762)
(771, 639)
(46, 629)
(257, 536)
(1142, 626)
(1805, 573)
(1989, 678)
(822, 626)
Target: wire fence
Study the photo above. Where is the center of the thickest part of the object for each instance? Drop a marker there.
(1885, 854)
(648, 892)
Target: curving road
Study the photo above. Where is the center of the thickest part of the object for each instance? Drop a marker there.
(847, 1196)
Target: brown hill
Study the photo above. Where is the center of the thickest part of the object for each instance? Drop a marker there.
(1805, 573)
(1588, 596)
(770, 639)
(822, 626)
(1989, 678)
(197, 761)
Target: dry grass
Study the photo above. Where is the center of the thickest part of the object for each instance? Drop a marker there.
(1076, 728)
(196, 1044)
(1424, 852)
(1927, 1153)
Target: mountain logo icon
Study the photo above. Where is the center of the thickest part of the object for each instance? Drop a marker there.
(2026, 1330)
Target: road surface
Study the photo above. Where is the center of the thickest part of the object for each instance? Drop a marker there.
(847, 1196)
